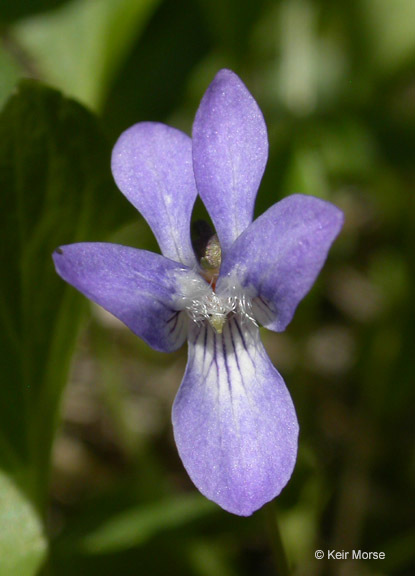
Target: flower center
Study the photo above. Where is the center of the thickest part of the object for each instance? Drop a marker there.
(197, 293)
(202, 303)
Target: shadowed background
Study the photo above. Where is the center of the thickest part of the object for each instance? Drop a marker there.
(85, 404)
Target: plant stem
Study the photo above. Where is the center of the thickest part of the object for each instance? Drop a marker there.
(276, 544)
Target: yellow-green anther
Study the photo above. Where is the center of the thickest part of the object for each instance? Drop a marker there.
(217, 322)
(212, 258)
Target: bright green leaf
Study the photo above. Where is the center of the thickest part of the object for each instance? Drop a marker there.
(10, 72)
(390, 29)
(89, 38)
(22, 543)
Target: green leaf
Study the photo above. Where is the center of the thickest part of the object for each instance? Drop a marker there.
(390, 33)
(14, 9)
(89, 41)
(134, 527)
(10, 71)
(22, 543)
(153, 79)
(56, 188)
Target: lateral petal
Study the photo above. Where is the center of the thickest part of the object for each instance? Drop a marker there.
(138, 287)
(234, 421)
(278, 258)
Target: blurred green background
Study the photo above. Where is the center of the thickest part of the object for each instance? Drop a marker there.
(90, 480)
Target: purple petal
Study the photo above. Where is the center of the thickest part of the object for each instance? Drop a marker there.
(152, 166)
(138, 287)
(230, 150)
(279, 256)
(234, 421)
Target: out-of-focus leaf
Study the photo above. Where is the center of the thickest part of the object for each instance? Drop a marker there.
(307, 173)
(231, 22)
(9, 73)
(14, 9)
(210, 558)
(22, 543)
(310, 69)
(154, 77)
(390, 30)
(89, 39)
(399, 553)
(136, 526)
(297, 79)
(55, 188)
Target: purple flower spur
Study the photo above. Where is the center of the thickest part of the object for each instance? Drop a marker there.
(234, 422)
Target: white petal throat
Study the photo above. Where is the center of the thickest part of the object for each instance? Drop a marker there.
(202, 303)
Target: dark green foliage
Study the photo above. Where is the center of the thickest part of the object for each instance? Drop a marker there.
(335, 81)
(15, 9)
(53, 187)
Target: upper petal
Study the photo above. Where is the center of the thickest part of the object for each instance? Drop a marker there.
(234, 421)
(152, 166)
(138, 287)
(230, 150)
(279, 256)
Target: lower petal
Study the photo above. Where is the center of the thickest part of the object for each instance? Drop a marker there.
(234, 421)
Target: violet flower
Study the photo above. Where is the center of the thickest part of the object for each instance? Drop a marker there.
(234, 422)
